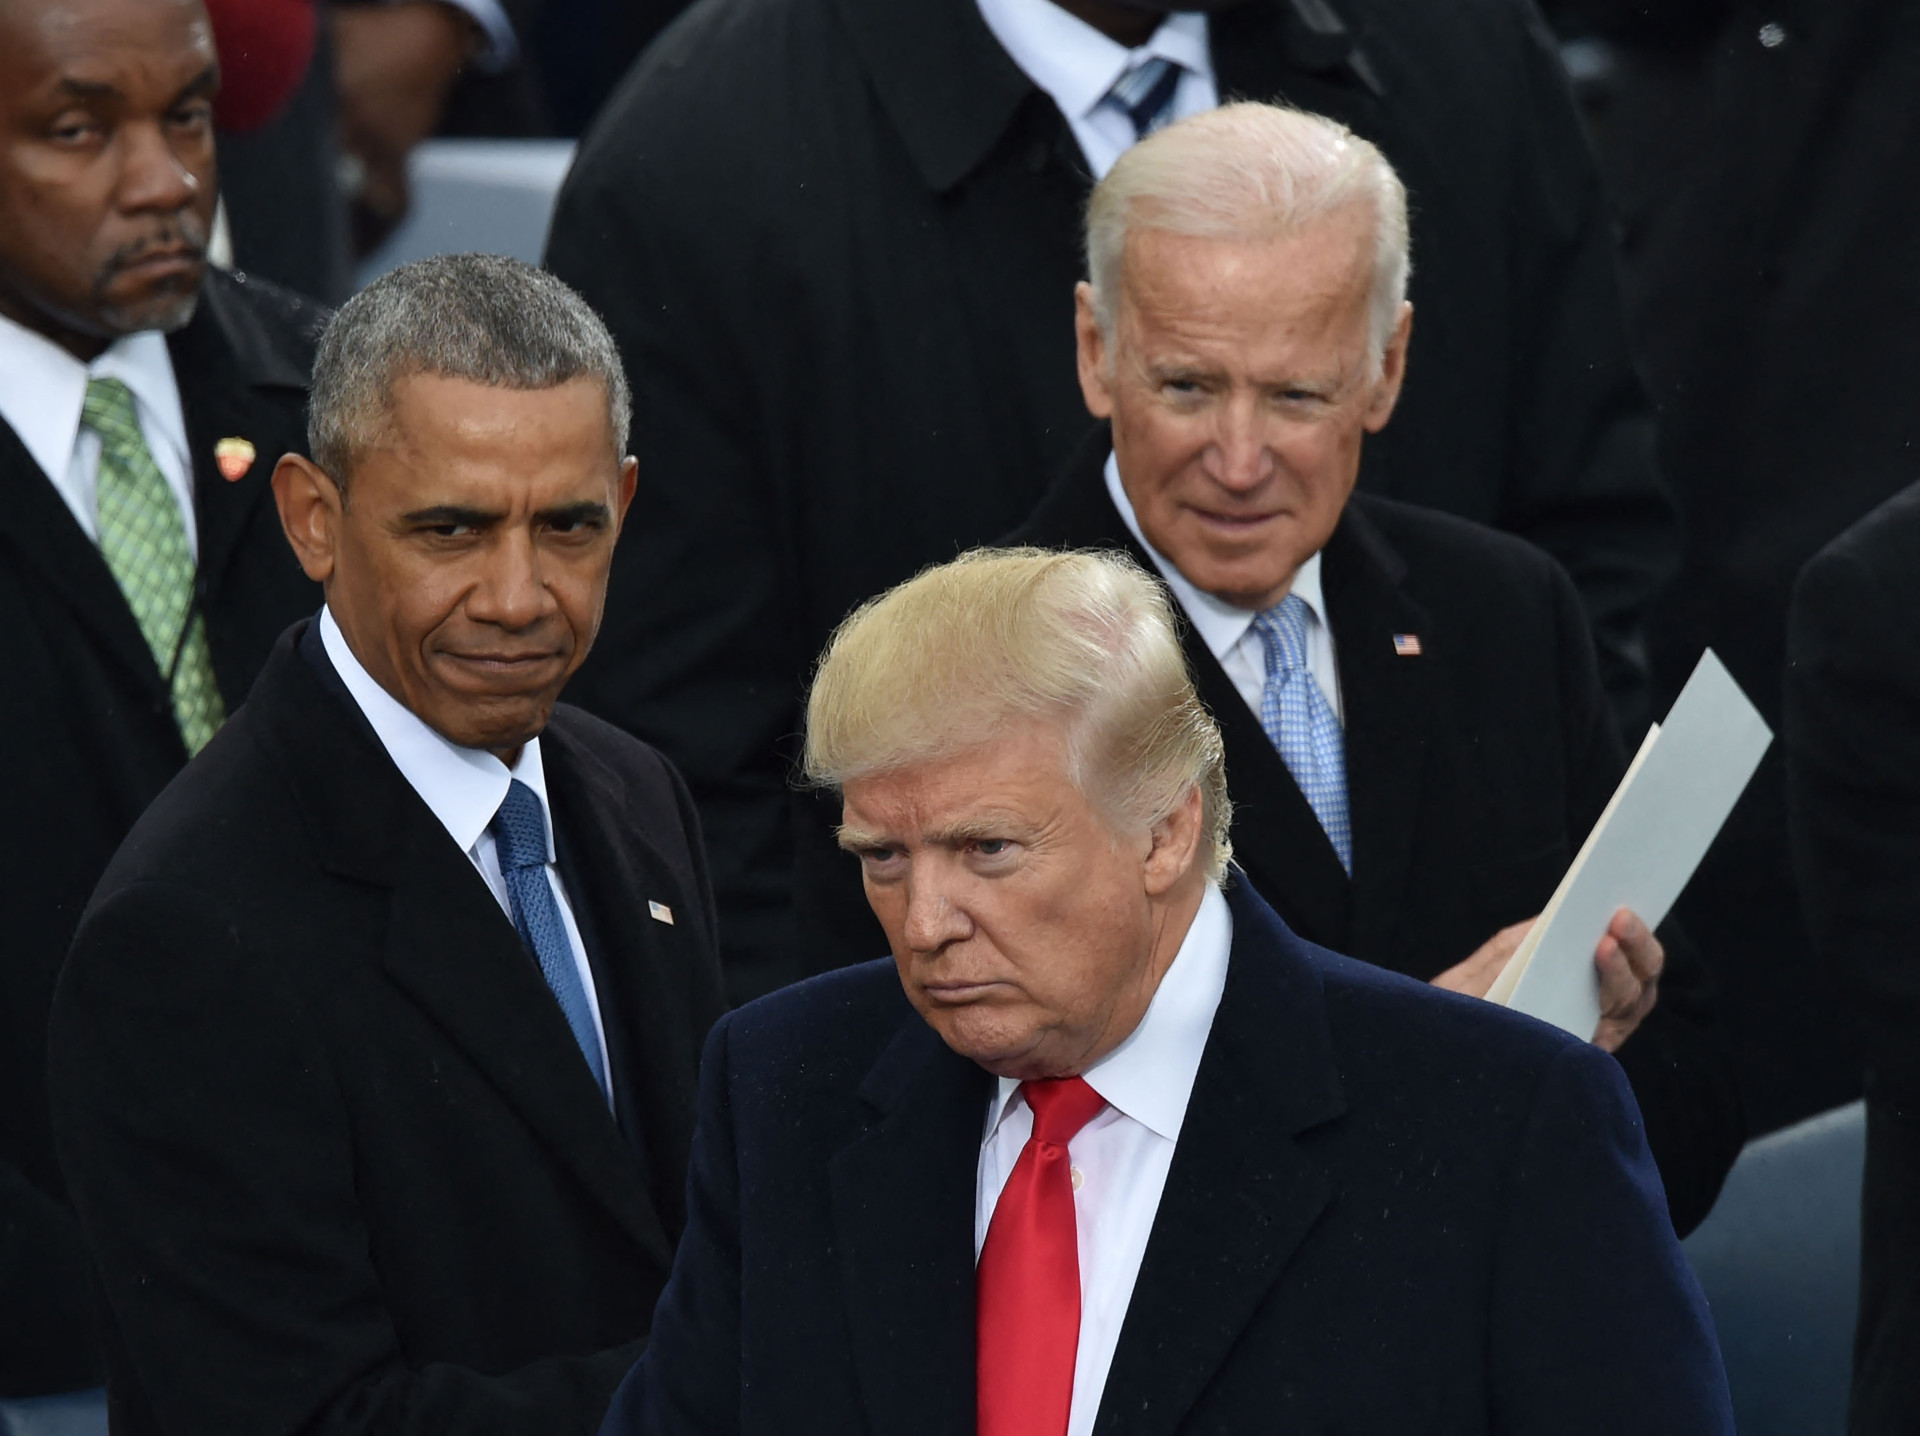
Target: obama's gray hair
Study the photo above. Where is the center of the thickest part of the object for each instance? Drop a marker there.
(480, 317)
(1250, 171)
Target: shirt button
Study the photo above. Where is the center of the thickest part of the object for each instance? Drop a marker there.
(1077, 1178)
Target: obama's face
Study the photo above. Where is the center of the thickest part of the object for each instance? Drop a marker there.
(107, 185)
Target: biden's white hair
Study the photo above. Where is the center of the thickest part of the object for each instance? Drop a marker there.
(941, 664)
(1248, 172)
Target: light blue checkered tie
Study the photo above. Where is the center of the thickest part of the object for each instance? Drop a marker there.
(520, 838)
(1145, 94)
(1300, 723)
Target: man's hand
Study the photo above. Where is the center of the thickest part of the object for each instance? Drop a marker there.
(1479, 972)
(1630, 959)
(394, 66)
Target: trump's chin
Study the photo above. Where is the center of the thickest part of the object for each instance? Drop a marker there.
(1008, 1038)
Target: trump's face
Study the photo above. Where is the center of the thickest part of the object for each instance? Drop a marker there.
(467, 562)
(1028, 932)
(1238, 383)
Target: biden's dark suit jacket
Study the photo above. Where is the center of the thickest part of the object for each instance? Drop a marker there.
(84, 709)
(1853, 773)
(837, 242)
(1391, 1210)
(1474, 772)
(330, 1138)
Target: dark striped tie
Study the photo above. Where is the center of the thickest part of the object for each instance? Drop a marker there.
(1145, 94)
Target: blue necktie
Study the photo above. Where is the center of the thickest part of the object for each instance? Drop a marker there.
(1300, 723)
(520, 838)
(1145, 94)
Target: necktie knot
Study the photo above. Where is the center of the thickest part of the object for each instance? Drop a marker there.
(520, 829)
(1061, 1107)
(1145, 93)
(1283, 633)
(108, 411)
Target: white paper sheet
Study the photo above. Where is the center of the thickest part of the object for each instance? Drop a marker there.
(1683, 782)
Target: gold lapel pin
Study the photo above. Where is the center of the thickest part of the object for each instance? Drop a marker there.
(233, 457)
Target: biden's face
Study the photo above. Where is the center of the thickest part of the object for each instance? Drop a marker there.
(1239, 386)
(1029, 933)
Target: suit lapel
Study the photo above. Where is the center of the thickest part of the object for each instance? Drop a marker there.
(1242, 1194)
(41, 530)
(1388, 698)
(224, 370)
(448, 945)
(903, 1217)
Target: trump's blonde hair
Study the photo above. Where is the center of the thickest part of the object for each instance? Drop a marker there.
(940, 664)
(1250, 171)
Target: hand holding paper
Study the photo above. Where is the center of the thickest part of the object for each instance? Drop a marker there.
(1628, 960)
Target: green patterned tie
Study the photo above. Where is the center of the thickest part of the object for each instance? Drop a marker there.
(145, 544)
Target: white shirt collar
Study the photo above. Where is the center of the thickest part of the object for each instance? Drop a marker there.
(1075, 63)
(43, 388)
(1149, 1077)
(1220, 624)
(463, 786)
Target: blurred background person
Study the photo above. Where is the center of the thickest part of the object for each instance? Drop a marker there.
(1415, 733)
(837, 244)
(1757, 154)
(143, 576)
(1853, 773)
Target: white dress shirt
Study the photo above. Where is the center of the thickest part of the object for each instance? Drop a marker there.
(1077, 66)
(1121, 1158)
(464, 787)
(43, 389)
(1228, 631)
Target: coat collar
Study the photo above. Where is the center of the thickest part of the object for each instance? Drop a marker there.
(903, 1202)
(952, 92)
(1268, 1077)
(369, 826)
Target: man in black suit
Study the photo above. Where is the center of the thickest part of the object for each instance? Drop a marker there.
(837, 240)
(373, 1061)
(1104, 1147)
(1853, 788)
(1242, 352)
(143, 400)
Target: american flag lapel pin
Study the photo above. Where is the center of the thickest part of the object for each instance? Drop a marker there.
(661, 912)
(1407, 645)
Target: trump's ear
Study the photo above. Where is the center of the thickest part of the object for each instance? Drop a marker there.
(310, 510)
(1176, 845)
(1096, 371)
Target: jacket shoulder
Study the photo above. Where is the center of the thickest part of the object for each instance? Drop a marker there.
(265, 324)
(1884, 545)
(634, 759)
(1432, 541)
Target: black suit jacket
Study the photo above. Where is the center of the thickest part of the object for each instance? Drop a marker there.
(1390, 1209)
(837, 242)
(332, 1143)
(1853, 774)
(84, 707)
(1474, 773)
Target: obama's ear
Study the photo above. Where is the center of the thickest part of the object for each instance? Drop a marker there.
(311, 508)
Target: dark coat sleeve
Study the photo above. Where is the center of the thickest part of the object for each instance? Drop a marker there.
(688, 1382)
(1853, 787)
(1584, 484)
(208, 1151)
(1679, 1062)
(1635, 1351)
(699, 654)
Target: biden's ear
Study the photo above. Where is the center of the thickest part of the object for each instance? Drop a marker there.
(1096, 368)
(1176, 845)
(310, 511)
(1393, 373)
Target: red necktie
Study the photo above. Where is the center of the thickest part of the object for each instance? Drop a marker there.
(1028, 1280)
